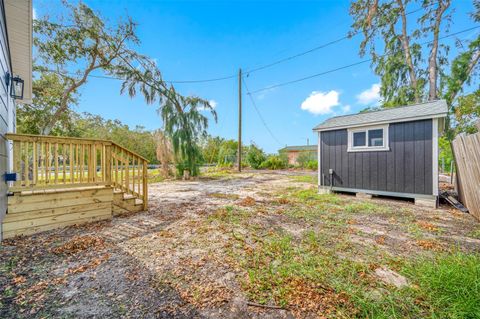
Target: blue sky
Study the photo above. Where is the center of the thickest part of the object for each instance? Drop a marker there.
(209, 39)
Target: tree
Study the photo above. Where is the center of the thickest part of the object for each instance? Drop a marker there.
(255, 156)
(164, 152)
(210, 148)
(409, 71)
(83, 43)
(227, 155)
(74, 47)
(185, 125)
(137, 139)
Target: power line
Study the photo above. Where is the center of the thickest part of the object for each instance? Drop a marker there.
(299, 54)
(352, 64)
(321, 46)
(258, 112)
(122, 79)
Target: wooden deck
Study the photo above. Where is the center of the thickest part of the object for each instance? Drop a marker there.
(64, 181)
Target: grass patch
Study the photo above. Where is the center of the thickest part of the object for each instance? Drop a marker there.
(311, 179)
(311, 195)
(230, 214)
(448, 284)
(293, 274)
(475, 234)
(364, 207)
(154, 176)
(223, 196)
(218, 173)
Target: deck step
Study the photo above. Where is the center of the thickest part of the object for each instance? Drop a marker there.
(125, 203)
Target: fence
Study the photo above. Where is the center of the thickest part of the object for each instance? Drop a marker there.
(466, 149)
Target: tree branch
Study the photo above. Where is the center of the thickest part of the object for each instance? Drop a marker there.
(473, 62)
(66, 94)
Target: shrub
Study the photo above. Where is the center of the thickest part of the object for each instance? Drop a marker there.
(312, 164)
(273, 162)
(304, 158)
(255, 156)
(227, 152)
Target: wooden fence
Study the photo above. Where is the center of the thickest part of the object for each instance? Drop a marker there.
(43, 162)
(466, 149)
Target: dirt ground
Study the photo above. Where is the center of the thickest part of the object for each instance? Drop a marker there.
(189, 256)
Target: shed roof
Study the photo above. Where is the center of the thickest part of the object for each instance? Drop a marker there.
(398, 114)
(299, 148)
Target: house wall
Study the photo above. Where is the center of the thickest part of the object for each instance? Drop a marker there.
(292, 157)
(7, 112)
(405, 168)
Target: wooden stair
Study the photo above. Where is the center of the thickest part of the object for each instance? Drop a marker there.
(125, 203)
(63, 181)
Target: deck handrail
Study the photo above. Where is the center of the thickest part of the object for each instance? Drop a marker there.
(43, 162)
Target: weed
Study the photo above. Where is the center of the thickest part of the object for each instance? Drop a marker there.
(9, 265)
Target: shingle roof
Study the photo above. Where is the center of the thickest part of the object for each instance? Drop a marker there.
(399, 114)
(299, 148)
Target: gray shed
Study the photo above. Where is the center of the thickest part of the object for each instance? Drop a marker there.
(390, 152)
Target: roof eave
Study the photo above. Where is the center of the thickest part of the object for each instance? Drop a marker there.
(399, 120)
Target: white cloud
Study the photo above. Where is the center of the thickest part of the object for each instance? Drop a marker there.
(34, 14)
(370, 95)
(321, 102)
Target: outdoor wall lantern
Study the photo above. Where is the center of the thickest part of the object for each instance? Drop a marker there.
(16, 89)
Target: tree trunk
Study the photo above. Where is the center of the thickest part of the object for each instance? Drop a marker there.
(406, 50)
(432, 61)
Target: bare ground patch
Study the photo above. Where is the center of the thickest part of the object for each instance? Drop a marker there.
(253, 245)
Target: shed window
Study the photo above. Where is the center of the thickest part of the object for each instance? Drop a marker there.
(359, 139)
(375, 137)
(368, 139)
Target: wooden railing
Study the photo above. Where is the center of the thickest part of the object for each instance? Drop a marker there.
(43, 162)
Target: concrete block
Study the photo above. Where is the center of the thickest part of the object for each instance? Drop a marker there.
(324, 190)
(364, 196)
(426, 202)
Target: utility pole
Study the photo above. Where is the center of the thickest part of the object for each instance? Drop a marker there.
(239, 152)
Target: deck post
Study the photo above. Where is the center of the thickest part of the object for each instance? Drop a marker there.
(108, 164)
(145, 185)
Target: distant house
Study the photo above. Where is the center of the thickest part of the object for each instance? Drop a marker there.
(293, 152)
(392, 152)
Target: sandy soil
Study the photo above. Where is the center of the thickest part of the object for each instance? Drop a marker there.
(169, 263)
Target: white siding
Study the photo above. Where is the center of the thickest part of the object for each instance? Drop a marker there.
(7, 113)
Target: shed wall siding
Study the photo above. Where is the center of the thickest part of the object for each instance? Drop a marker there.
(405, 168)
